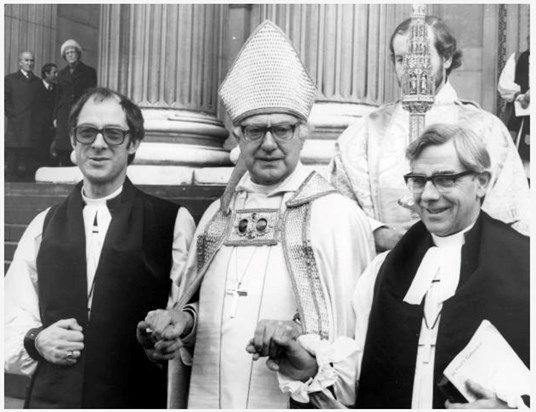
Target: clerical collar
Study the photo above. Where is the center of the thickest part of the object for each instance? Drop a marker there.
(90, 201)
(290, 184)
(447, 94)
(457, 239)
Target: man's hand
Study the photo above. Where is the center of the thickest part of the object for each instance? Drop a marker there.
(524, 99)
(160, 333)
(386, 238)
(156, 350)
(169, 324)
(277, 340)
(61, 343)
(485, 399)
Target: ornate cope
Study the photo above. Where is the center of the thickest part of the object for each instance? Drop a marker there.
(253, 227)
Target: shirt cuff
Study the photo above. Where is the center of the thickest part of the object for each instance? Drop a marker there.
(188, 341)
(30, 346)
(336, 364)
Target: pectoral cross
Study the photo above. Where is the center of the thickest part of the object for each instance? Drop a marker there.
(236, 292)
(432, 312)
(428, 341)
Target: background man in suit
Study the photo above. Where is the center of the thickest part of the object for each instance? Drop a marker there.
(45, 110)
(20, 97)
(73, 80)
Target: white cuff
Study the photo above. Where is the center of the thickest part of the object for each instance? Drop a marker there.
(336, 368)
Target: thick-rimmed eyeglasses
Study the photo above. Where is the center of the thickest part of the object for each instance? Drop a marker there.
(113, 136)
(283, 131)
(442, 182)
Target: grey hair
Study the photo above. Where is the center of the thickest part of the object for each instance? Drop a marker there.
(469, 146)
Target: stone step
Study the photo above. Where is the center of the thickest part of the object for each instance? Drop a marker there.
(24, 200)
(9, 250)
(13, 232)
(20, 216)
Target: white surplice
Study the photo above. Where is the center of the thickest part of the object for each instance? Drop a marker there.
(223, 373)
(370, 162)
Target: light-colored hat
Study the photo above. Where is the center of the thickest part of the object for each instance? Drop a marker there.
(267, 76)
(70, 43)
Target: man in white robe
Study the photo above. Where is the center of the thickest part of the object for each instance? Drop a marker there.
(418, 305)
(286, 246)
(369, 161)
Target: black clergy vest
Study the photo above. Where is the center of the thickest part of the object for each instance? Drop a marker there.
(522, 71)
(132, 278)
(494, 285)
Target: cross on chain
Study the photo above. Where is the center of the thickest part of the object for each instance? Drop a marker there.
(428, 341)
(237, 293)
(432, 312)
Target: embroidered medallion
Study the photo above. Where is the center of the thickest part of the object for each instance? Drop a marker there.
(254, 227)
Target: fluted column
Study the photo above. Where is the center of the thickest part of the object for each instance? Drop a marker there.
(166, 57)
(29, 27)
(345, 48)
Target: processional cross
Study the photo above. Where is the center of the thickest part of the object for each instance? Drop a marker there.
(418, 83)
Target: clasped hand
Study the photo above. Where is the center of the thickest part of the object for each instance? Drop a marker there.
(61, 343)
(276, 339)
(160, 333)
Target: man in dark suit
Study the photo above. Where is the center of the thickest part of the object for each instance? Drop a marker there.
(73, 80)
(21, 90)
(45, 110)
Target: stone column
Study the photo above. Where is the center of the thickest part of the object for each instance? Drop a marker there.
(345, 48)
(29, 27)
(166, 57)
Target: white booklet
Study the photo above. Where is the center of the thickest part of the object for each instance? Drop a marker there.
(490, 361)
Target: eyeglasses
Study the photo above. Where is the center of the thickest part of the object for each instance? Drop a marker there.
(442, 182)
(282, 132)
(113, 136)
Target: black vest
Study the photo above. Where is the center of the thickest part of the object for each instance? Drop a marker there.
(494, 285)
(522, 71)
(132, 278)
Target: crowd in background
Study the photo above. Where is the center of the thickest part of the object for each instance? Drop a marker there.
(37, 109)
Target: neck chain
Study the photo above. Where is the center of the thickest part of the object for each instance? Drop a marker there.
(244, 273)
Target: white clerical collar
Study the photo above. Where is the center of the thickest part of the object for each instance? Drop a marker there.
(441, 262)
(457, 239)
(447, 94)
(102, 200)
(290, 184)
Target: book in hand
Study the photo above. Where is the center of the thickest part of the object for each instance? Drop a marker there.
(491, 362)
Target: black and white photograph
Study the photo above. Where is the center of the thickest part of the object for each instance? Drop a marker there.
(267, 206)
